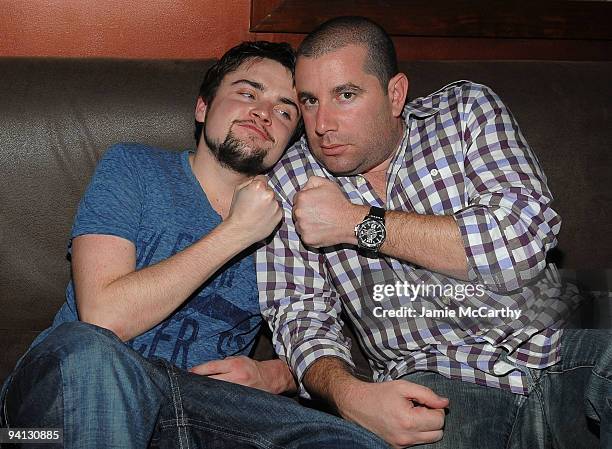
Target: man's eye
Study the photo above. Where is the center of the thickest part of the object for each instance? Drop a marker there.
(286, 115)
(309, 101)
(347, 96)
(247, 95)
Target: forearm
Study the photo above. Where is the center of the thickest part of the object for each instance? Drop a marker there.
(429, 241)
(137, 301)
(331, 379)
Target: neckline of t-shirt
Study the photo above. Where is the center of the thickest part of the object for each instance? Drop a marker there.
(194, 181)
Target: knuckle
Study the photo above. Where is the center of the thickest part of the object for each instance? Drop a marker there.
(404, 440)
(437, 436)
(406, 423)
(441, 422)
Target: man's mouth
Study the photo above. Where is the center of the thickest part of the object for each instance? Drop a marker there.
(262, 133)
(333, 149)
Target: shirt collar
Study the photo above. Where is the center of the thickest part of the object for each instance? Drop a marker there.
(417, 109)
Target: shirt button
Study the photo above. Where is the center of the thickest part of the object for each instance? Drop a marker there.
(434, 172)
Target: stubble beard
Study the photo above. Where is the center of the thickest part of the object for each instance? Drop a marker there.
(237, 155)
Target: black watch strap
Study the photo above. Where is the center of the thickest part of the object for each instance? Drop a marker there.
(377, 212)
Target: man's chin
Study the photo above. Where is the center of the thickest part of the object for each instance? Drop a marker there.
(337, 165)
(246, 166)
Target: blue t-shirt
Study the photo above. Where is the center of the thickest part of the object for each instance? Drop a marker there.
(152, 198)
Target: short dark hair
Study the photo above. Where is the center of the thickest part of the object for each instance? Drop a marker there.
(236, 56)
(337, 33)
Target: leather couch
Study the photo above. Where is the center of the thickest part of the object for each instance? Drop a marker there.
(57, 116)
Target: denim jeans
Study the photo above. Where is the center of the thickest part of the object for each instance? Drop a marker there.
(569, 405)
(83, 379)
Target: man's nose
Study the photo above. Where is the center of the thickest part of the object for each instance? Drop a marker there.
(325, 120)
(263, 112)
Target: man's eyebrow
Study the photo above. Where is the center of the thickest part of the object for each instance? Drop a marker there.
(290, 102)
(346, 86)
(253, 84)
(335, 91)
(305, 94)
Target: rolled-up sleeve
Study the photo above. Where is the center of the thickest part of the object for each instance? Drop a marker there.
(298, 303)
(508, 226)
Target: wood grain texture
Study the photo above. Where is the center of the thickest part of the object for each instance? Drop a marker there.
(460, 18)
(461, 30)
(464, 48)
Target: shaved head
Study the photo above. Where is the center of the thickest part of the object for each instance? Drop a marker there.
(381, 60)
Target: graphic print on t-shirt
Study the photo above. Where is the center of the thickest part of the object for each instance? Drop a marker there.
(221, 319)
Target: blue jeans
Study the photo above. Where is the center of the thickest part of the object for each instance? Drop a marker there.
(83, 379)
(569, 405)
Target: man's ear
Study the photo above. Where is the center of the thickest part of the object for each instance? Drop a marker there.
(200, 110)
(397, 90)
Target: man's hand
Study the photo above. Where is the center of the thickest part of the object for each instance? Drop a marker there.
(272, 376)
(400, 412)
(324, 216)
(255, 211)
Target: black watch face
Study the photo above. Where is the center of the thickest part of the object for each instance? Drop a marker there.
(371, 234)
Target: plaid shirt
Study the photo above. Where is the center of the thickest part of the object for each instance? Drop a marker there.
(462, 155)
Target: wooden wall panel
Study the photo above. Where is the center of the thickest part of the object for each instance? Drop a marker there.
(442, 48)
(460, 29)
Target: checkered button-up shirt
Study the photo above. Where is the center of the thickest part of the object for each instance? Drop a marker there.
(462, 155)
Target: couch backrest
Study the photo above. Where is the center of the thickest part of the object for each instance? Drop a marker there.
(57, 116)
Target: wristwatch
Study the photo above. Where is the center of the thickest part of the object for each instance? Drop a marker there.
(371, 232)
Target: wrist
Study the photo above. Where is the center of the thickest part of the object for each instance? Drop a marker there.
(371, 232)
(345, 393)
(279, 376)
(331, 379)
(235, 234)
(354, 215)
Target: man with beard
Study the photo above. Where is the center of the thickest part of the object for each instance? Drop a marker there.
(163, 282)
(436, 205)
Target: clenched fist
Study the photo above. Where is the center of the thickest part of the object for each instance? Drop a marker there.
(255, 211)
(323, 215)
(401, 412)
